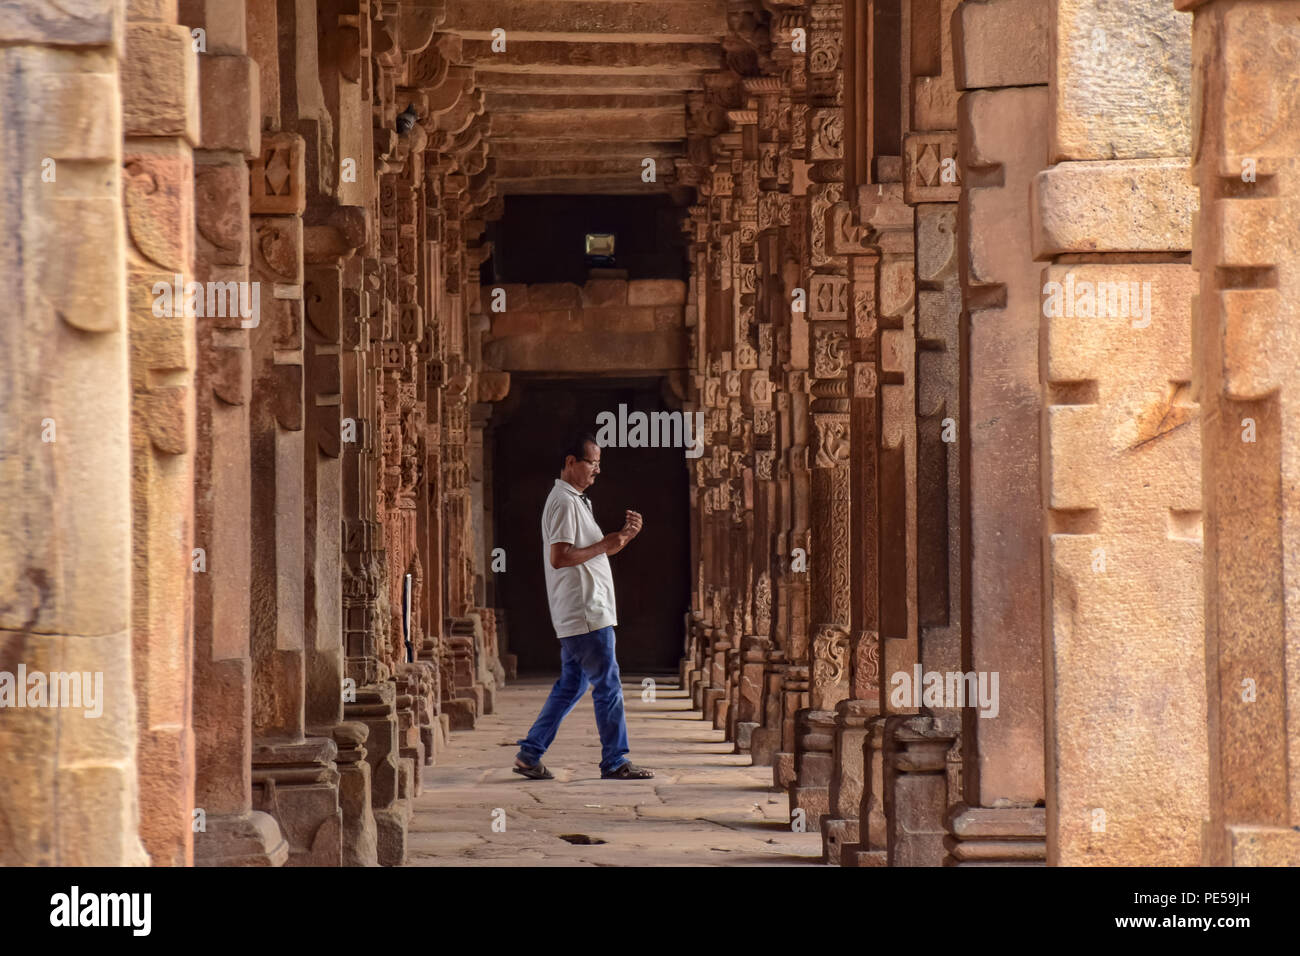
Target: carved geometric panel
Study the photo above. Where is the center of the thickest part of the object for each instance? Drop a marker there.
(930, 169)
(830, 298)
(277, 180)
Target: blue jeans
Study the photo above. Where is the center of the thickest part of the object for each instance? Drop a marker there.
(584, 658)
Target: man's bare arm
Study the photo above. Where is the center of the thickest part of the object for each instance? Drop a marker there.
(565, 555)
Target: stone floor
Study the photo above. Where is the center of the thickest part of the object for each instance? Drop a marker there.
(705, 807)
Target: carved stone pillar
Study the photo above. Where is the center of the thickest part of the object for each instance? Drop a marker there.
(1121, 474)
(1244, 322)
(829, 649)
(160, 122)
(1002, 121)
(232, 833)
(69, 790)
(295, 778)
(328, 605)
(829, 359)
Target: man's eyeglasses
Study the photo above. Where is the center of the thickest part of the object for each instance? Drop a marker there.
(594, 464)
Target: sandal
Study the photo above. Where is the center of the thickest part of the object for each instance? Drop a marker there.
(536, 772)
(627, 771)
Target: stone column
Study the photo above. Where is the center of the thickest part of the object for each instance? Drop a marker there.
(793, 420)
(772, 310)
(360, 135)
(1121, 469)
(231, 832)
(161, 124)
(870, 135)
(324, 611)
(1246, 149)
(783, 336)
(69, 789)
(828, 450)
(1000, 49)
(920, 467)
(295, 777)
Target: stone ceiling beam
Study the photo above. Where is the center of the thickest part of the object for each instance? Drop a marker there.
(651, 117)
(581, 185)
(595, 127)
(508, 169)
(600, 59)
(582, 149)
(597, 21)
(542, 101)
(574, 83)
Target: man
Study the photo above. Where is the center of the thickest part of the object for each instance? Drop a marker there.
(580, 588)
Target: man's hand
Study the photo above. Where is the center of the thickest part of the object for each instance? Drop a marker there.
(631, 528)
(565, 555)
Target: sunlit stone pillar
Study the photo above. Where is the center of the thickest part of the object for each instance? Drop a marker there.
(1121, 450)
(69, 790)
(1001, 51)
(161, 123)
(229, 832)
(1247, 153)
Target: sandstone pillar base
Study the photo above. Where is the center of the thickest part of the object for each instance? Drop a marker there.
(917, 788)
(847, 777)
(996, 837)
(244, 839)
(810, 791)
(837, 834)
(359, 841)
(870, 849)
(744, 735)
(763, 745)
(461, 712)
(376, 708)
(297, 783)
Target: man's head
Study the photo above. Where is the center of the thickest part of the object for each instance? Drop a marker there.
(581, 461)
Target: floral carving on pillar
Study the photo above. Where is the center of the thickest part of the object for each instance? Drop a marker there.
(830, 657)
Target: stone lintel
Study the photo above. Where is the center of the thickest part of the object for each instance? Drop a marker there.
(592, 21)
(665, 150)
(598, 125)
(496, 79)
(605, 186)
(544, 101)
(604, 352)
(599, 59)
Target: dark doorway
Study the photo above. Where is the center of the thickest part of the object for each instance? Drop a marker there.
(651, 575)
(542, 238)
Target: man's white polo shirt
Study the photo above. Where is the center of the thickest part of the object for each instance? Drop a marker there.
(581, 596)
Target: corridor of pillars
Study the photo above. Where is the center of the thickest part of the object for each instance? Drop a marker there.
(989, 310)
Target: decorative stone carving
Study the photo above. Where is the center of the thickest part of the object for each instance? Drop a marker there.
(830, 652)
(930, 168)
(829, 298)
(830, 353)
(832, 440)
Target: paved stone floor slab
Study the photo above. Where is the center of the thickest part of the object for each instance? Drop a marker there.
(706, 806)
